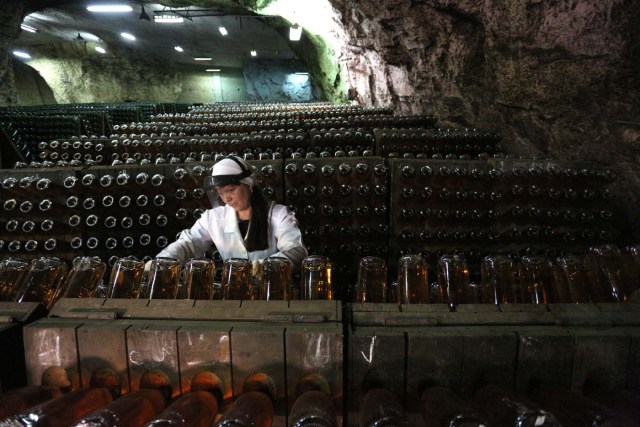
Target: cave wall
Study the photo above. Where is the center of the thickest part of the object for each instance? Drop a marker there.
(557, 78)
(11, 13)
(31, 88)
(276, 81)
(77, 74)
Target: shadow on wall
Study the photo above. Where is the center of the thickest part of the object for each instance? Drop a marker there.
(278, 81)
(31, 88)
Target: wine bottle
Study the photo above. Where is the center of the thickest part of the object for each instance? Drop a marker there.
(501, 406)
(572, 409)
(313, 408)
(132, 410)
(156, 379)
(62, 411)
(623, 402)
(194, 409)
(442, 407)
(251, 409)
(380, 407)
(15, 401)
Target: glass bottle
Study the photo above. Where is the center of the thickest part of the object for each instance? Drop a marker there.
(440, 406)
(194, 409)
(380, 407)
(64, 410)
(501, 406)
(133, 409)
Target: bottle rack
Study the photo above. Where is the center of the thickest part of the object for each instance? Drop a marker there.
(341, 205)
(350, 141)
(140, 149)
(106, 211)
(28, 129)
(437, 143)
(497, 206)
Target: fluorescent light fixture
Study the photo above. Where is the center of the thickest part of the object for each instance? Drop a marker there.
(21, 54)
(109, 8)
(301, 73)
(100, 49)
(168, 19)
(128, 36)
(179, 49)
(28, 28)
(202, 59)
(223, 31)
(254, 53)
(212, 70)
(295, 32)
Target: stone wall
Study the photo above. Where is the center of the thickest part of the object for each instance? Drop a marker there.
(31, 88)
(557, 78)
(276, 81)
(11, 13)
(76, 74)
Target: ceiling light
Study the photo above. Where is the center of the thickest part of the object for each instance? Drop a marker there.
(100, 49)
(109, 8)
(128, 36)
(168, 19)
(179, 49)
(254, 53)
(295, 32)
(223, 31)
(202, 59)
(28, 28)
(301, 73)
(212, 70)
(21, 54)
(143, 15)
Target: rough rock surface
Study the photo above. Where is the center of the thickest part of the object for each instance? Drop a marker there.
(76, 76)
(557, 78)
(276, 81)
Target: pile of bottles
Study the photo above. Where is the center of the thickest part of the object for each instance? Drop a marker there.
(602, 274)
(497, 206)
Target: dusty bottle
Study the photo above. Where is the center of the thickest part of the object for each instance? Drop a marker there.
(381, 408)
(194, 409)
(155, 379)
(501, 406)
(574, 410)
(62, 411)
(623, 402)
(441, 407)
(132, 410)
(251, 409)
(313, 406)
(15, 401)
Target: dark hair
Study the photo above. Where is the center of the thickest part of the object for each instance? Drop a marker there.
(258, 236)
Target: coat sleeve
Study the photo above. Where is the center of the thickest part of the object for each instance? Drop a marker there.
(192, 242)
(288, 235)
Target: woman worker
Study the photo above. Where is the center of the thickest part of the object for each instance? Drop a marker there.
(246, 226)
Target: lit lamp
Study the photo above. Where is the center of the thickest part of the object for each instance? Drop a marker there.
(168, 19)
(295, 32)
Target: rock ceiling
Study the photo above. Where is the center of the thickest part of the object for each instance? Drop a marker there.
(198, 34)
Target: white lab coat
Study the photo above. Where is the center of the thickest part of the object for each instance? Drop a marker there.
(219, 226)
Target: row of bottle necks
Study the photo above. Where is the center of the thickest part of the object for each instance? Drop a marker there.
(334, 192)
(324, 185)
